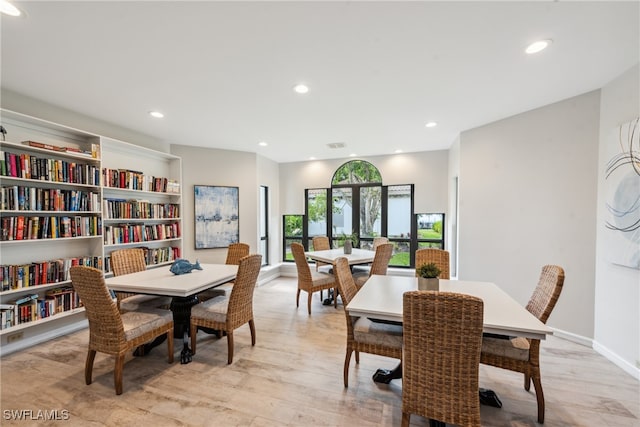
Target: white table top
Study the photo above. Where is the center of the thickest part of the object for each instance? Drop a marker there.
(357, 256)
(381, 298)
(160, 281)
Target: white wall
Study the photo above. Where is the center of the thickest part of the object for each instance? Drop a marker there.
(528, 198)
(617, 292)
(203, 166)
(427, 170)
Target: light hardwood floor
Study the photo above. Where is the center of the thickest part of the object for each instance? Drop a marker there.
(292, 377)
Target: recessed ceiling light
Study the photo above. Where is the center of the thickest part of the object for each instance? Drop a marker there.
(301, 88)
(312, 158)
(352, 155)
(431, 124)
(262, 144)
(156, 114)
(9, 9)
(398, 151)
(538, 46)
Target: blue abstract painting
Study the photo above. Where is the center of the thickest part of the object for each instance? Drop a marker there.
(216, 216)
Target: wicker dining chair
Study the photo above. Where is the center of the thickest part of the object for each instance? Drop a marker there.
(132, 260)
(442, 341)
(309, 281)
(235, 253)
(321, 243)
(439, 257)
(363, 335)
(113, 332)
(379, 265)
(523, 354)
(381, 240)
(227, 314)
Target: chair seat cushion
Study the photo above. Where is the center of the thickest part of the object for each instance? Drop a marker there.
(138, 302)
(214, 310)
(514, 348)
(137, 323)
(320, 278)
(375, 333)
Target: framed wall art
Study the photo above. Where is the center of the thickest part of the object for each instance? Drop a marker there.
(216, 216)
(622, 195)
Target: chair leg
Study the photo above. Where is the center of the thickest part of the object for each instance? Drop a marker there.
(310, 294)
(117, 373)
(170, 344)
(193, 332)
(527, 381)
(252, 327)
(335, 298)
(229, 347)
(347, 360)
(357, 357)
(298, 298)
(88, 366)
(405, 419)
(537, 384)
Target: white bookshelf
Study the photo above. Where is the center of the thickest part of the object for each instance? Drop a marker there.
(94, 152)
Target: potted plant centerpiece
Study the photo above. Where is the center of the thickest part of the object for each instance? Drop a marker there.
(428, 277)
(348, 242)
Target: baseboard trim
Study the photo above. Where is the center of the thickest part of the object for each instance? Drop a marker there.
(617, 360)
(570, 336)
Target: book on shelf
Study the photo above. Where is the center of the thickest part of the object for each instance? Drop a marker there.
(43, 145)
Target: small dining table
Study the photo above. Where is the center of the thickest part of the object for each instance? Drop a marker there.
(182, 287)
(328, 256)
(381, 299)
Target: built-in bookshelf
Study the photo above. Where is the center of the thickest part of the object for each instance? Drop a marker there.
(141, 204)
(69, 197)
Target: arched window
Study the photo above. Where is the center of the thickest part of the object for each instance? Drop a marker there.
(356, 172)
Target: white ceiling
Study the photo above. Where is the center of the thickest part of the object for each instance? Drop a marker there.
(223, 72)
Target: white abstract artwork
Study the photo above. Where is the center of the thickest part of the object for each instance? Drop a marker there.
(622, 195)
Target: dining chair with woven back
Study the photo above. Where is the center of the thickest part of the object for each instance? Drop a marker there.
(442, 341)
(439, 257)
(364, 335)
(310, 281)
(111, 331)
(132, 260)
(379, 265)
(227, 314)
(321, 243)
(521, 354)
(235, 253)
(380, 240)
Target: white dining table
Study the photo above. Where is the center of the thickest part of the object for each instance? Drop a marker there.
(182, 287)
(381, 298)
(161, 281)
(328, 256)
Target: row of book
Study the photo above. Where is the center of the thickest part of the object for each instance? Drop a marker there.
(93, 153)
(132, 233)
(33, 307)
(153, 256)
(134, 209)
(28, 166)
(49, 227)
(135, 180)
(22, 276)
(23, 198)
